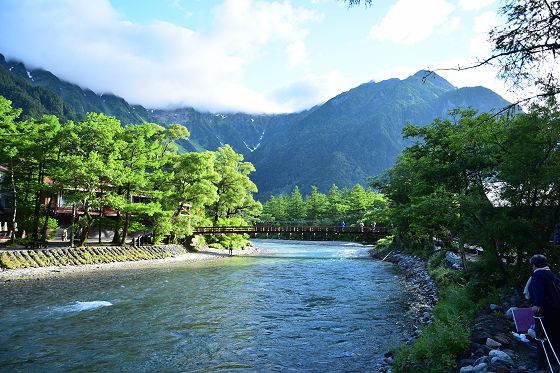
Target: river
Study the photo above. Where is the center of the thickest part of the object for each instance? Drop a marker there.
(295, 307)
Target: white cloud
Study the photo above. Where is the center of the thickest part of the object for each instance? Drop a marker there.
(296, 53)
(245, 25)
(475, 4)
(480, 44)
(485, 22)
(156, 64)
(412, 21)
(311, 90)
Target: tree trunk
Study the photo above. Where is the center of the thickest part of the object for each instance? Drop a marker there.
(14, 192)
(89, 221)
(73, 225)
(500, 263)
(45, 227)
(99, 227)
(116, 231)
(38, 203)
(125, 228)
(126, 218)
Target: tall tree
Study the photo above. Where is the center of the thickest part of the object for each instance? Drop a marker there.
(8, 149)
(296, 209)
(234, 187)
(191, 189)
(316, 205)
(42, 144)
(89, 163)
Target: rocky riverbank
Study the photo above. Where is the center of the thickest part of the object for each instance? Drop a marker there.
(493, 346)
(418, 282)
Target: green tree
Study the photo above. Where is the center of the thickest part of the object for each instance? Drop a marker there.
(30, 149)
(337, 206)
(234, 187)
(296, 209)
(89, 163)
(316, 205)
(527, 177)
(276, 209)
(192, 189)
(482, 180)
(358, 201)
(8, 148)
(40, 144)
(447, 165)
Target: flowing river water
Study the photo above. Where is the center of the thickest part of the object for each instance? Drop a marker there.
(295, 307)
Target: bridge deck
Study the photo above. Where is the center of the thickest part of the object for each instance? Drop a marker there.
(289, 229)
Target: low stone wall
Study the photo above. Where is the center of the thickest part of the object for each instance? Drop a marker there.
(14, 259)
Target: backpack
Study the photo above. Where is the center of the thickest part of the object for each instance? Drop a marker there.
(553, 293)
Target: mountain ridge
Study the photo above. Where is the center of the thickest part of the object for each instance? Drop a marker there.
(352, 136)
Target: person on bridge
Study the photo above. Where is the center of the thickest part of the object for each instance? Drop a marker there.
(361, 226)
(342, 224)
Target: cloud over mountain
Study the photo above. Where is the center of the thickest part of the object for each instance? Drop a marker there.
(157, 64)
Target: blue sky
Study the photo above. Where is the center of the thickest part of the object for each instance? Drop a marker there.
(246, 55)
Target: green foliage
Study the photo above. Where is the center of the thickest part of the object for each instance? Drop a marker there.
(384, 243)
(489, 181)
(234, 187)
(477, 179)
(436, 348)
(97, 164)
(229, 241)
(351, 205)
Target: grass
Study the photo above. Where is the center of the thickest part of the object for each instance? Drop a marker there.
(441, 342)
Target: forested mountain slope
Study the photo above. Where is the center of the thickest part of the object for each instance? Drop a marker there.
(19, 84)
(351, 137)
(358, 133)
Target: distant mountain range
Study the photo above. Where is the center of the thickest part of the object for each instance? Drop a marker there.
(354, 135)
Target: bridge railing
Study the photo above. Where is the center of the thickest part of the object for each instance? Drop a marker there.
(288, 229)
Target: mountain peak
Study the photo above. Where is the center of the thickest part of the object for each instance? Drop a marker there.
(432, 77)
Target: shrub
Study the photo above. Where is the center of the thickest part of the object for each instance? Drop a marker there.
(436, 348)
(384, 244)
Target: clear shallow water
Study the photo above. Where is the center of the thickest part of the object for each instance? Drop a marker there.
(296, 307)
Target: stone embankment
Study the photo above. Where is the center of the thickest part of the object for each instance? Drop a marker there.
(419, 282)
(59, 257)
